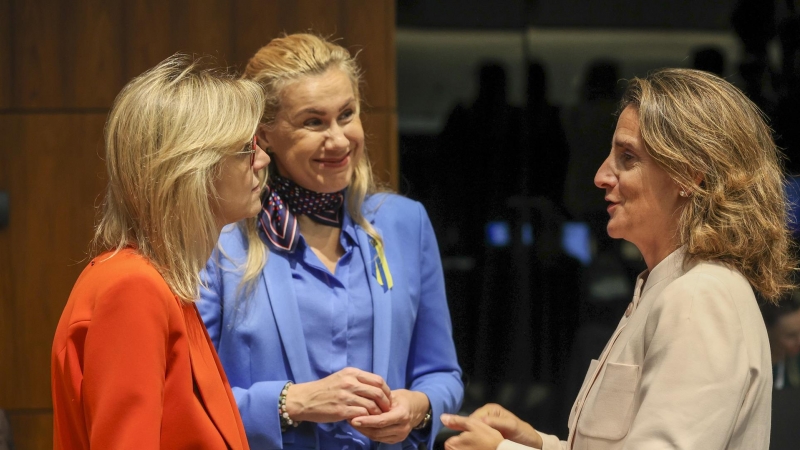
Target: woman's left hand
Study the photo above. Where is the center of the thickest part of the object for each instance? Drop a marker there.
(407, 411)
(475, 435)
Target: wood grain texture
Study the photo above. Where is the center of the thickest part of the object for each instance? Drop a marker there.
(146, 36)
(66, 54)
(368, 30)
(255, 23)
(380, 129)
(32, 430)
(318, 16)
(53, 193)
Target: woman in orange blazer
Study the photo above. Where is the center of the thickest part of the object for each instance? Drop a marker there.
(132, 365)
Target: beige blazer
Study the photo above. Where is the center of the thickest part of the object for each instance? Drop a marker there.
(688, 367)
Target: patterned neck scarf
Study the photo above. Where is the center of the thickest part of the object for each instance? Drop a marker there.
(284, 200)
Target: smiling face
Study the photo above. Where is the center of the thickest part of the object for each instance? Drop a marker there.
(238, 193)
(317, 137)
(644, 202)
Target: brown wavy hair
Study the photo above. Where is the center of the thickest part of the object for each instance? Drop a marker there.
(698, 126)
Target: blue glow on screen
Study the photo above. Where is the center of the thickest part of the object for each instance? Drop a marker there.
(576, 241)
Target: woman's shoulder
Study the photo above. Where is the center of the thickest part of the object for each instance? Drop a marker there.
(390, 205)
(709, 286)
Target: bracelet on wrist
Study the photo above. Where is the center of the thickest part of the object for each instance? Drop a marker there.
(426, 420)
(286, 421)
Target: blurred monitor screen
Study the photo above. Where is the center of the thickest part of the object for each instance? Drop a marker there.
(498, 234)
(792, 187)
(576, 241)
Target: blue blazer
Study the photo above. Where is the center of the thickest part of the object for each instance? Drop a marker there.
(259, 334)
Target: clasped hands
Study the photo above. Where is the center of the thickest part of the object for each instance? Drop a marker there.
(485, 428)
(361, 398)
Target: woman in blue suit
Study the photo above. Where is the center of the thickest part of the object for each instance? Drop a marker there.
(346, 341)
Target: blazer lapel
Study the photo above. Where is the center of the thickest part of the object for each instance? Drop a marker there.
(208, 377)
(381, 307)
(282, 299)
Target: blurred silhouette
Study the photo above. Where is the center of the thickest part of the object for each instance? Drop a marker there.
(757, 23)
(545, 162)
(783, 327)
(479, 160)
(589, 126)
(709, 59)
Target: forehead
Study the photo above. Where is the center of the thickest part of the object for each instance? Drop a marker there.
(331, 86)
(627, 131)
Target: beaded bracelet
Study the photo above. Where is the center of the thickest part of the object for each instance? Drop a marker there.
(282, 412)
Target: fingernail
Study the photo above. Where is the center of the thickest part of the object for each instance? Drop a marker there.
(445, 418)
(357, 423)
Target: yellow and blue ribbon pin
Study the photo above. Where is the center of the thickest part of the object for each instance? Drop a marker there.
(381, 268)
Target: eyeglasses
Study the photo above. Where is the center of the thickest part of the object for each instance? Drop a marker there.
(251, 148)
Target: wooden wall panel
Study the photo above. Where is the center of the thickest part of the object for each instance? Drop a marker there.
(33, 430)
(94, 42)
(364, 28)
(53, 193)
(255, 22)
(5, 54)
(202, 27)
(37, 65)
(147, 30)
(67, 54)
(320, 16)
(380, 129)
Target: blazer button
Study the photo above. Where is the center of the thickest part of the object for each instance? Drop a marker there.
(629, 310)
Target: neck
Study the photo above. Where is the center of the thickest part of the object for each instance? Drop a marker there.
(658, 250)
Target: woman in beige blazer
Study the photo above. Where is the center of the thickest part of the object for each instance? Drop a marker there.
(694, 181)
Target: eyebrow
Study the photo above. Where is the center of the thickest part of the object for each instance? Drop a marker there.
(313, 110)
(628, 143)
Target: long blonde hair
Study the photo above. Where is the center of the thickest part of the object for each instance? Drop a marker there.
(697, 124)
(165, 137)
(278, 64)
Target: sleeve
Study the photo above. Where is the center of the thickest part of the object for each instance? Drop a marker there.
(125, 354)
(433, 366)
(210, 302)
(258, 406)
(697, 351)
(258, 403)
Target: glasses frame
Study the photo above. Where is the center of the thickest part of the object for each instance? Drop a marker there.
(251, 148)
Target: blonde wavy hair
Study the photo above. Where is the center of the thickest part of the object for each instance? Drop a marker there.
(698, 126)
(281, 62)
(165, 137)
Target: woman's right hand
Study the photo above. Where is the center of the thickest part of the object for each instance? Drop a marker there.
(510, 426)
(344, 395)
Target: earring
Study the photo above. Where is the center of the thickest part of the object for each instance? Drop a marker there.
(683, 193)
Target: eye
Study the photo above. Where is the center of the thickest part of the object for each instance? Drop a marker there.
(347, 115)
(311, 123)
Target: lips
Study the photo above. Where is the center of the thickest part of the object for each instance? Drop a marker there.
(334, 161)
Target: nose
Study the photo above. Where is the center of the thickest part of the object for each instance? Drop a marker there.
(604, 178)
(262, 159)
(336, 138)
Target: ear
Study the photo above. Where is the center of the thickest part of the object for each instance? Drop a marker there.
(262, 133)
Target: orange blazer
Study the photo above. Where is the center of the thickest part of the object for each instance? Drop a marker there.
(133, 367)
